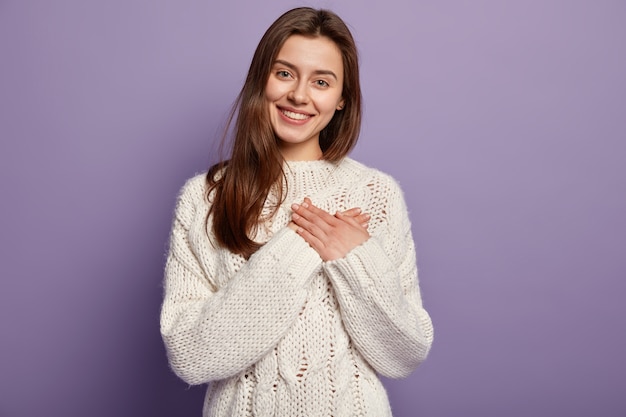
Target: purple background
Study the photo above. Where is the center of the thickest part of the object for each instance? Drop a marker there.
(505, 123)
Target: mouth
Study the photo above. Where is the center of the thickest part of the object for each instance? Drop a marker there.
(294, 115)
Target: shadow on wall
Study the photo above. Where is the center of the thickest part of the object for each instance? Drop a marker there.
(159, 392)
(153, 388)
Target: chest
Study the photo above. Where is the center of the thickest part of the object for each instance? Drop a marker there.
(219, 264)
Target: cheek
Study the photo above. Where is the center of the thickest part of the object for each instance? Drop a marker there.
(330, 104)
(274, 90)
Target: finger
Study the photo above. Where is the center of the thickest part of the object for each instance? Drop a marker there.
(359, 221)
(362, 218)
(305, 219)
(314, 214)
(355, 211)
(309, 205)
(321, 213)
(310, 238)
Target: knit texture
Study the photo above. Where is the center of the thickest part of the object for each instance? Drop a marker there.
(284, 333)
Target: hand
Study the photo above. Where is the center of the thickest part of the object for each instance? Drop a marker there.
(355, 212)
(331, 236)
(362, 218)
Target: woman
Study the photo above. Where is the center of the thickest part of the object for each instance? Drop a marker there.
(291, 279)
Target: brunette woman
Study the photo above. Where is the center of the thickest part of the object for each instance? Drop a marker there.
(291, 280)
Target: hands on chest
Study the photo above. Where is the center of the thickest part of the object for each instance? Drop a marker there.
(332, 236)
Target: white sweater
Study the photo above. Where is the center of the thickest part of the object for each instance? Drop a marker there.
(284, 333)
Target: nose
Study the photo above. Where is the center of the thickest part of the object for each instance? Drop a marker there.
(299, 94)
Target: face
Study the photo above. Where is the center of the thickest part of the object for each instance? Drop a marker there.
(303, 92)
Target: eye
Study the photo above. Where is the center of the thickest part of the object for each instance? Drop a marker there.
(283, 74)
(321, 83)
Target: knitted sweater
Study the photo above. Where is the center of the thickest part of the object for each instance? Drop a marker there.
(284, 333)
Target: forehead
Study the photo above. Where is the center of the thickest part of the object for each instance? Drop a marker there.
(318, 53)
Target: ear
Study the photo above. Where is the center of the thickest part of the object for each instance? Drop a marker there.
(341, 104)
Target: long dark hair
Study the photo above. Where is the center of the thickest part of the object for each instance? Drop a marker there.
(241, 184)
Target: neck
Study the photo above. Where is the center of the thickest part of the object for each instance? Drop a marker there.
(297, 153)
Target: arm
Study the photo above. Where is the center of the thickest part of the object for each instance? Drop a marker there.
(375, 280)
(381, 305)
(211, 333)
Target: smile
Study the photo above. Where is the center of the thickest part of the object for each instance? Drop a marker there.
(294, 115)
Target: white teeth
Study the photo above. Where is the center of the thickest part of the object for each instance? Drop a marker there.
(295, 116)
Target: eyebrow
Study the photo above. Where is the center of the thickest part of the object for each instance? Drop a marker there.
(317, 72)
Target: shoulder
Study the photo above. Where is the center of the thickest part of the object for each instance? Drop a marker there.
(194, 188)
(191, 196)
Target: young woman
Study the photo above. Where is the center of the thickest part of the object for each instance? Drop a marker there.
(291, 280)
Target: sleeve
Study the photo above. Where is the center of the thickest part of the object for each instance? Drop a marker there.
(378, 293)
(212, 334)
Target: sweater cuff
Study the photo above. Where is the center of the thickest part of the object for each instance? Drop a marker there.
(362, 268)
(292, 253)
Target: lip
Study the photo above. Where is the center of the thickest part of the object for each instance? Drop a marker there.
(283, 116)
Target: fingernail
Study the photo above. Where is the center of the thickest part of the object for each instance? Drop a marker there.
(305, 205)
(295, 206)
